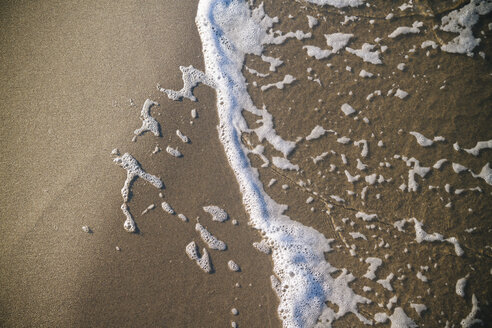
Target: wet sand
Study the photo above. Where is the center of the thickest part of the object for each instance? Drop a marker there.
(68, 73)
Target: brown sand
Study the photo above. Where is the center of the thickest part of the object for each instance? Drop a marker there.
(459, 112)
(68, 73)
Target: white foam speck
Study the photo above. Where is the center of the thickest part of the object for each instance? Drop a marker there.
(202, 261)
(406, 30)
(423, 141)
(364, 73)
(386, 283)
(181, 136)
(338, 41)
(347, 109)
(475, 151)
(419, 308)
(367, 53)
(461, 285)
(134, 170)
(233, 266)
(148, 122)
(191, 78)
(401, 94)
(374, 264)
(317, 52)
(461, 21)
(167, 208)
(317, 132)
(366, 217)
(288, 79)
(274, 62)
(439, 163)
(211, 241)
(217, 213)
(338, 3)
(312, 21)
(284, 164)
(129, 224)
(458, 168)
(471, 319)
(173, 152)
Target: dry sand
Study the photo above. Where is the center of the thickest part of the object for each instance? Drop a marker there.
(68, 72)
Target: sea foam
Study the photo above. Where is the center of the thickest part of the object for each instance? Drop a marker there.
(229, 30)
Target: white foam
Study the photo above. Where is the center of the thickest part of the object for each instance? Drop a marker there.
(386, 283)
(347, 109)
(423, 141)
(399, 319)
(401, 94)
(475, 151)
(181, 136)
(374, 264)
(148, 122)
(458, 168)
(134, 170)
(338, 41)
(217, 213)
(461, 21)
(364, 73)
(366, 217)
(211, 241)
(229, 30)
(471, 319)
(461, 285)
(191, 78)
(338, 3)
(255, 72)
(428, 43)
(262, 246)
(274, 62)
(149, 208)
(406, 30)
(317, 52)
(129, 224)
(485, 173)
(183, 217)
(421, 236)
(366, 53)
(288, 79)
(343, 140)
(167, 208)
(317, 132)
(439, 163)
(233, 266)
(284, 164)
(351, 178)
(173, 152)
(312, 21)
(419, 308)
(202, 261)
(365, 147)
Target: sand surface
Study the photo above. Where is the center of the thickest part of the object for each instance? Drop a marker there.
(68, 73)
(73, 80)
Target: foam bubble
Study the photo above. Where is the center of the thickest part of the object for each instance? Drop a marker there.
(202, 261)
(233, 266)
(134, 170)
(148, 122)
(209, 239)
(217, 213)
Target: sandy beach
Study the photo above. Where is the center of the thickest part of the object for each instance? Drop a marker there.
(69, 71)
(73, 80)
